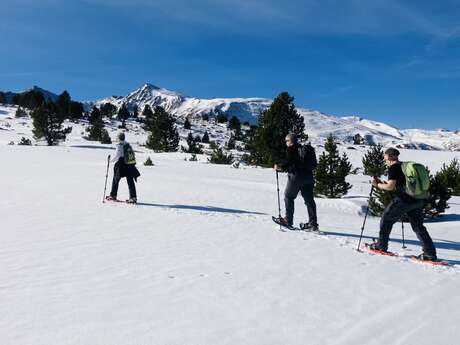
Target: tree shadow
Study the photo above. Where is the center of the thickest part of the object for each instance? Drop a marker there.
(440, 244)
(98, 147)
(201, 208)
(452, 217)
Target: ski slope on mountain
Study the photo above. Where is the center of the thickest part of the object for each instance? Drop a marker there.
(199, 261)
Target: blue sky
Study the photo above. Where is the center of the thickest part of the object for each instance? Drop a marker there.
(387, 60)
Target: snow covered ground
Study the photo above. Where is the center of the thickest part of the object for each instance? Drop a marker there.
(199, 260)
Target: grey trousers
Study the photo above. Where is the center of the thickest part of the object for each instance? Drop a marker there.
(304, 185)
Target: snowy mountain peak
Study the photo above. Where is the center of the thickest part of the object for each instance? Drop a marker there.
(150, 86)
(147, 94)
(156, 90)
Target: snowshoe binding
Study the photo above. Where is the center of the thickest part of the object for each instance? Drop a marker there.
(283, 222)
(309, 227)
(376, 249)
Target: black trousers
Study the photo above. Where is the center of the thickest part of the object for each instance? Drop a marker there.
(304, 185)
(116, 180)
(414, 210)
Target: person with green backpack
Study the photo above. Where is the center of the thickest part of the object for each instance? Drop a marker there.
(411, 182)
(125, 166)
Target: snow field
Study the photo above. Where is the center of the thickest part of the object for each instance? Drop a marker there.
(199, 260)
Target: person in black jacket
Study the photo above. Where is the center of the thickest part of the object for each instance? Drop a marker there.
(300, 179)
(402, 204)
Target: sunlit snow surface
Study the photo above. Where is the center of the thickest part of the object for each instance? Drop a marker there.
(199, 260)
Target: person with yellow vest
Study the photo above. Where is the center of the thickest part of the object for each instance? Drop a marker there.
(125, 166)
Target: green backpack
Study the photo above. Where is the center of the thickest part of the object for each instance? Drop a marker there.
(417, 180)
(130, 157)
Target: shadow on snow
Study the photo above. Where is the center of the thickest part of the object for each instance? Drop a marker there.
(439, 244)
(201, 208)
(100, 147)
(452, 217)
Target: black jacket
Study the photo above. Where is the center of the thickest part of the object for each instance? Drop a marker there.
(293, 163)
(124, 170)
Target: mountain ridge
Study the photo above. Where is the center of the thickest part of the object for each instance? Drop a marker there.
(318, 124)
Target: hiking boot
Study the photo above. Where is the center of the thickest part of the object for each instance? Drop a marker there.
(309, 227)
(283, 221)
(426, 257)
(376, 246)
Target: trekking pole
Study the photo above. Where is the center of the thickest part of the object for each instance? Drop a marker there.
(365, 217)
(278, 191)
(106, 176)
(402, 229)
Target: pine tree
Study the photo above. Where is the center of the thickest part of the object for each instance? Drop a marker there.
(63, 104)
(205, 139)
(373, 162)
(235, 125)
(218, 156)
(97, 132)
(163, 133)
(440, 193)
(123, 114)
(148, 162)
(268, 146)
(213, 145)
(374, 166)
(187, 124)
(105, 137)
(249, 138)
(221, 118)
(149, 118)
(449, 175)
(108, 110)
(76, 111)
(135, 111)
(231, 144)
(25, 142)
(379, 201)
(47, 124)
(358, 139)
(30, 99)
(97, 125)
(20, 112)
(193, 145)
(332, 171)
(2, 98)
